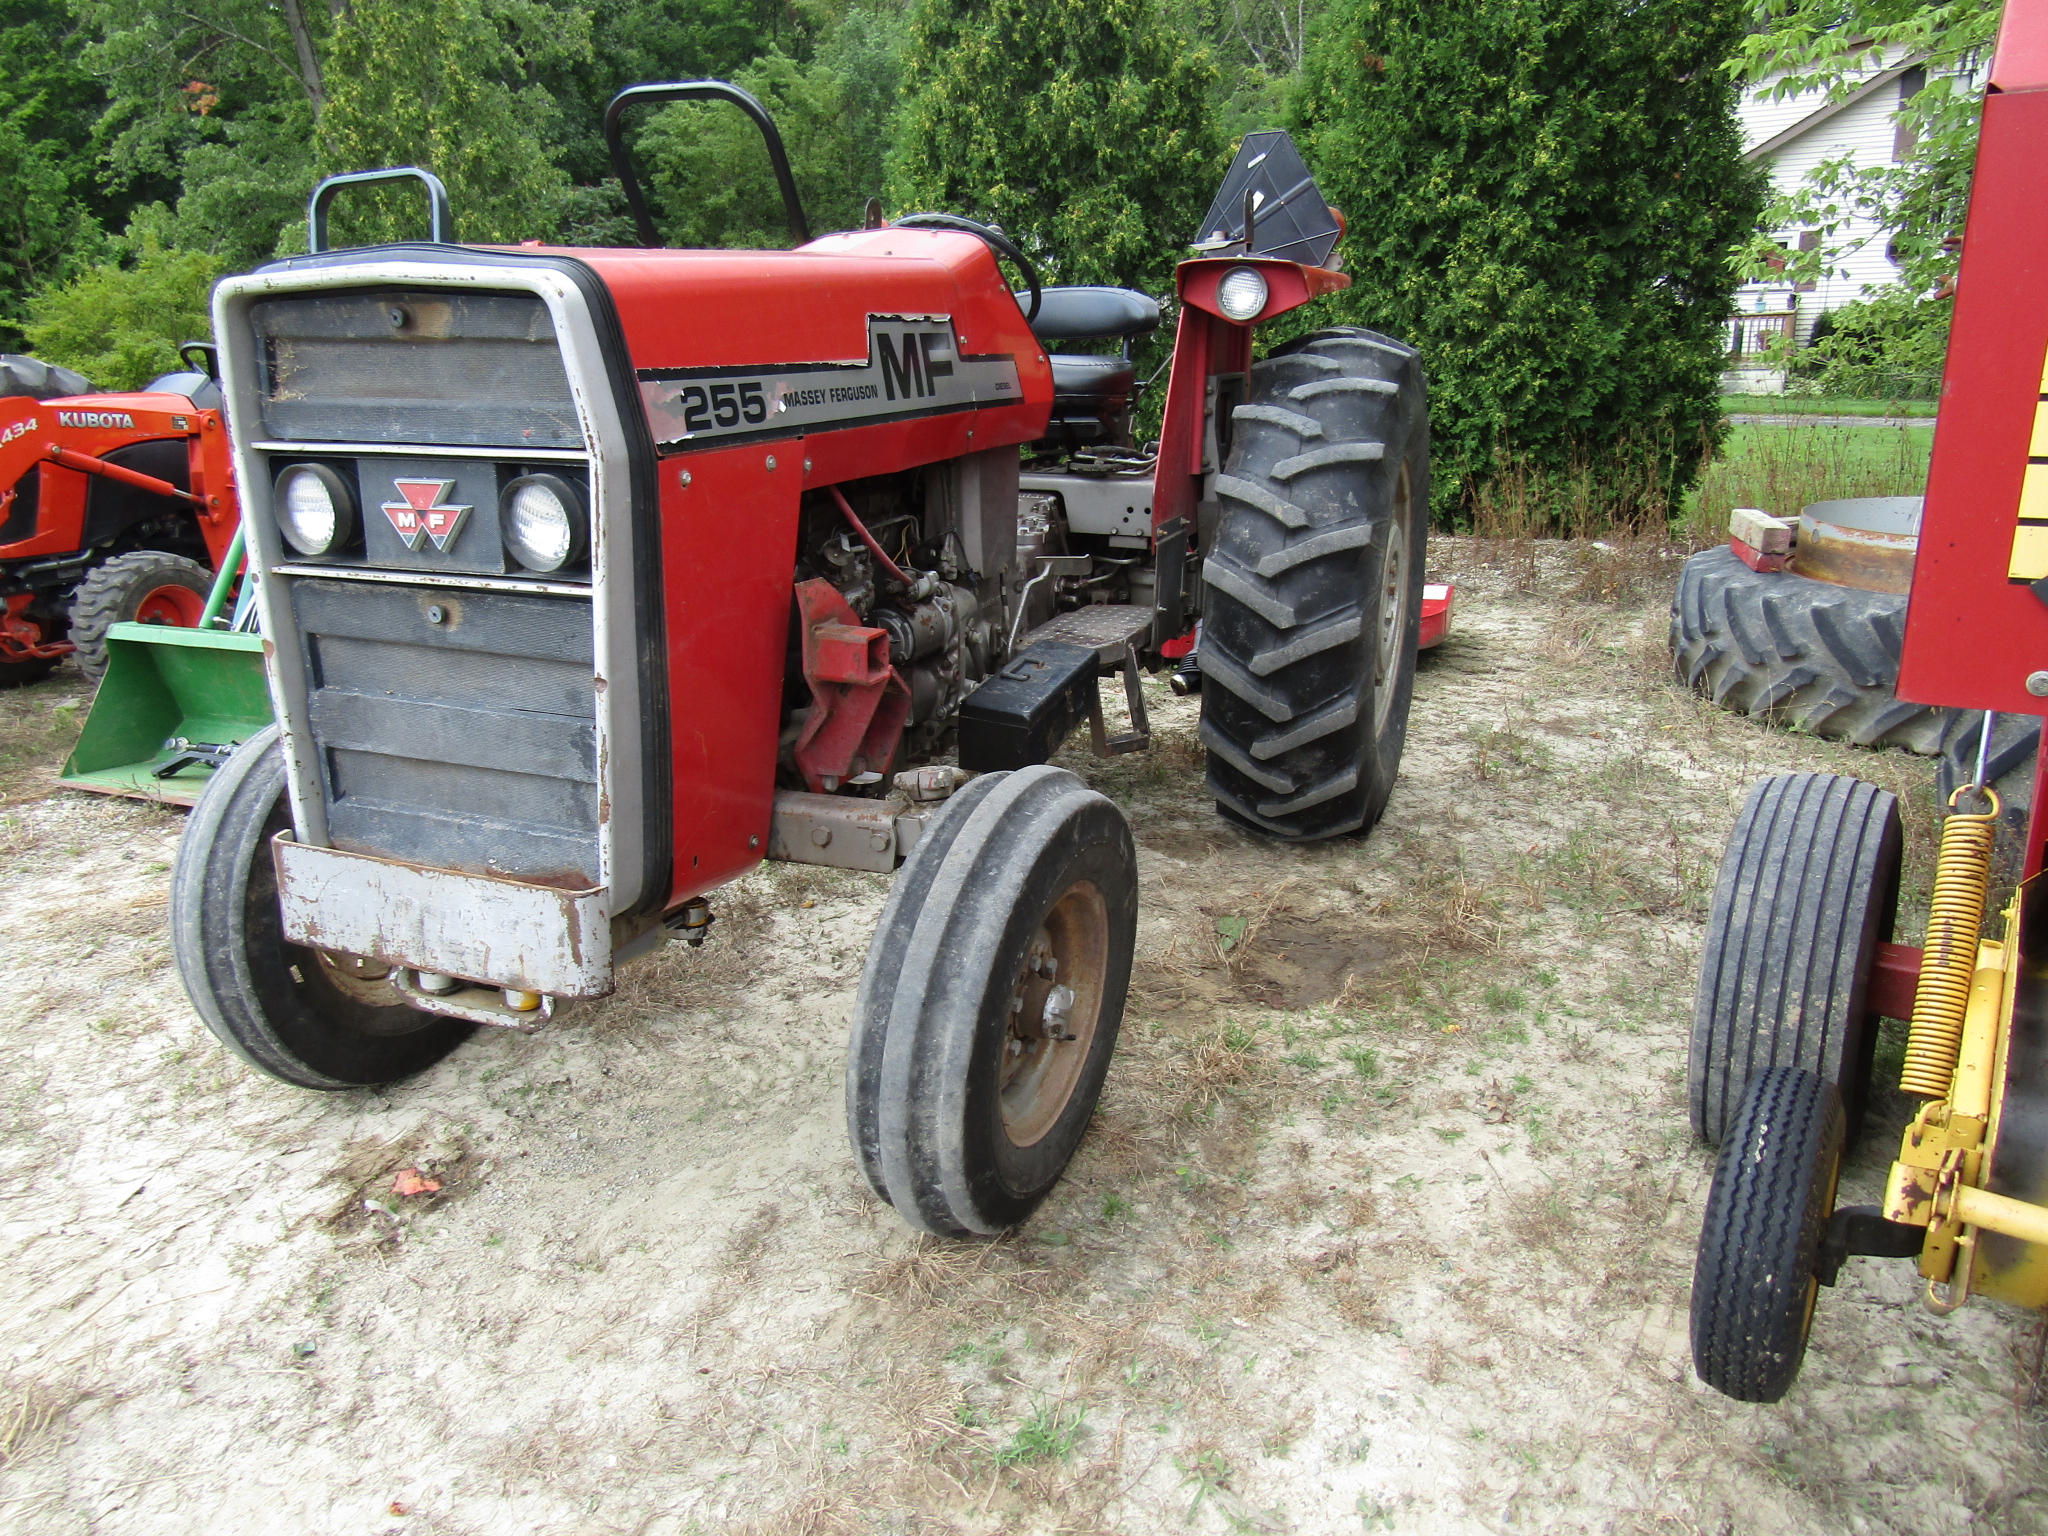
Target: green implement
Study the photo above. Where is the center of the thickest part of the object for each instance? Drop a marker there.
(173, 704)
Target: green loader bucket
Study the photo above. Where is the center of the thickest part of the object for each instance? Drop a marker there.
(168, 695)
(173, 702)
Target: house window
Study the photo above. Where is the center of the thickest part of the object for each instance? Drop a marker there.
(1905, 134)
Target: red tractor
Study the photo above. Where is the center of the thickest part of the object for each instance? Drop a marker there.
(114, 508)
(591, 578)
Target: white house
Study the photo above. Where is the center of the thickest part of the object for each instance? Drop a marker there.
(1791, 137)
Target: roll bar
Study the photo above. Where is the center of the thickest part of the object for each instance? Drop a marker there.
(440, 222)
(697, 90)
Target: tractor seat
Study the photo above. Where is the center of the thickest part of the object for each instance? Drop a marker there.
(1091, 393)
(196, 387)
(1079, 314)
(1084, 376)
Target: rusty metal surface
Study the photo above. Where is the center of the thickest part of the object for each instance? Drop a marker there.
(1894, 975)
(478, 1005)
(1107, 627)
(859, 703)
(848, 830)
(505, 932)
(838, 831)
(1865, 542)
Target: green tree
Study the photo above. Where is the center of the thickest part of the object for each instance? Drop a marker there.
(709, 165)
(635, 41)
(48, 201)
(1083, 127)
(120, 325)
(438, 86)
(1545, 197)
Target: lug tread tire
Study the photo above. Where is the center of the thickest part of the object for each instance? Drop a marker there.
(1803, 653)
(1807, 890)
(228, 942)
(933, 1000)
(31, 376)
(1290, 632)
(113, 590)
(1753, 1284)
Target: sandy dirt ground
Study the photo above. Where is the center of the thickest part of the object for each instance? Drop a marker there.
(1386, 1222)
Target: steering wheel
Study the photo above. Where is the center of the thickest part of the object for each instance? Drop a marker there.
(994, 239)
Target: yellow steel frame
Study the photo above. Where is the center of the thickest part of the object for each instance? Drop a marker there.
(1945, 1158)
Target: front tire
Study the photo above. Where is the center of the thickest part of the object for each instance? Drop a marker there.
(1757, 1276)
(989, 1006)
(146, 586)
(1313, 605)
(300, 1015)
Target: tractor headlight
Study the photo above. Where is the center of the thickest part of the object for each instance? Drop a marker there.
(544, 521)
(315, 511)
(1242, 293)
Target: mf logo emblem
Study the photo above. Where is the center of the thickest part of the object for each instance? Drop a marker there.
(914, 371)
(421, 515)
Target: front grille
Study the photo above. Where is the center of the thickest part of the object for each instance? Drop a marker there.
(455, 728)
(479, 369)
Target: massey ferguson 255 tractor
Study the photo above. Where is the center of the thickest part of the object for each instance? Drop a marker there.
(591, 578)
(1799, 963)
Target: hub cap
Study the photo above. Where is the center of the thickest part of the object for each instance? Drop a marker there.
(1056, 1004)
(1393, 628)
(174, 605)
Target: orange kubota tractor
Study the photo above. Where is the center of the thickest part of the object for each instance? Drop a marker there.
(591, 578)
(114, 508)
(1800, 962)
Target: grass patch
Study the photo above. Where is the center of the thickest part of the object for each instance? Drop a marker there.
(39, 725)
(1782, 469)
(1822, 405)
(1049, 1433)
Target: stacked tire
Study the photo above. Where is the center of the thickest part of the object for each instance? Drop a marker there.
(1824, 659)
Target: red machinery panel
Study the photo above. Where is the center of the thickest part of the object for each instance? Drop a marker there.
(1975, 627)
(728, 544)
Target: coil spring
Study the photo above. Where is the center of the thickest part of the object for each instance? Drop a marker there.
(1948, 961)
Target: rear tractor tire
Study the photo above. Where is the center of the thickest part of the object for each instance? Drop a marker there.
(1314, 586)
(989, 1005)
(1757, 1276)
(31, 376)
(146, 586)
(303, 1016)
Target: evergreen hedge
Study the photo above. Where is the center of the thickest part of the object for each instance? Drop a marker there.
(1083, 127)
(1543, 195)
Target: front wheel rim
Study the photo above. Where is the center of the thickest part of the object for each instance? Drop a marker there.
(1055, 1010)
(1393, 616)
(171, 604)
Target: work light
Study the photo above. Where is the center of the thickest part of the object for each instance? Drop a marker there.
(315, 511)
(544, 521)
(1242, 293)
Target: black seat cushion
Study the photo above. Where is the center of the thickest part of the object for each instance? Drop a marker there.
(1074, 314)
(1080, 374)
(1091, 399)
